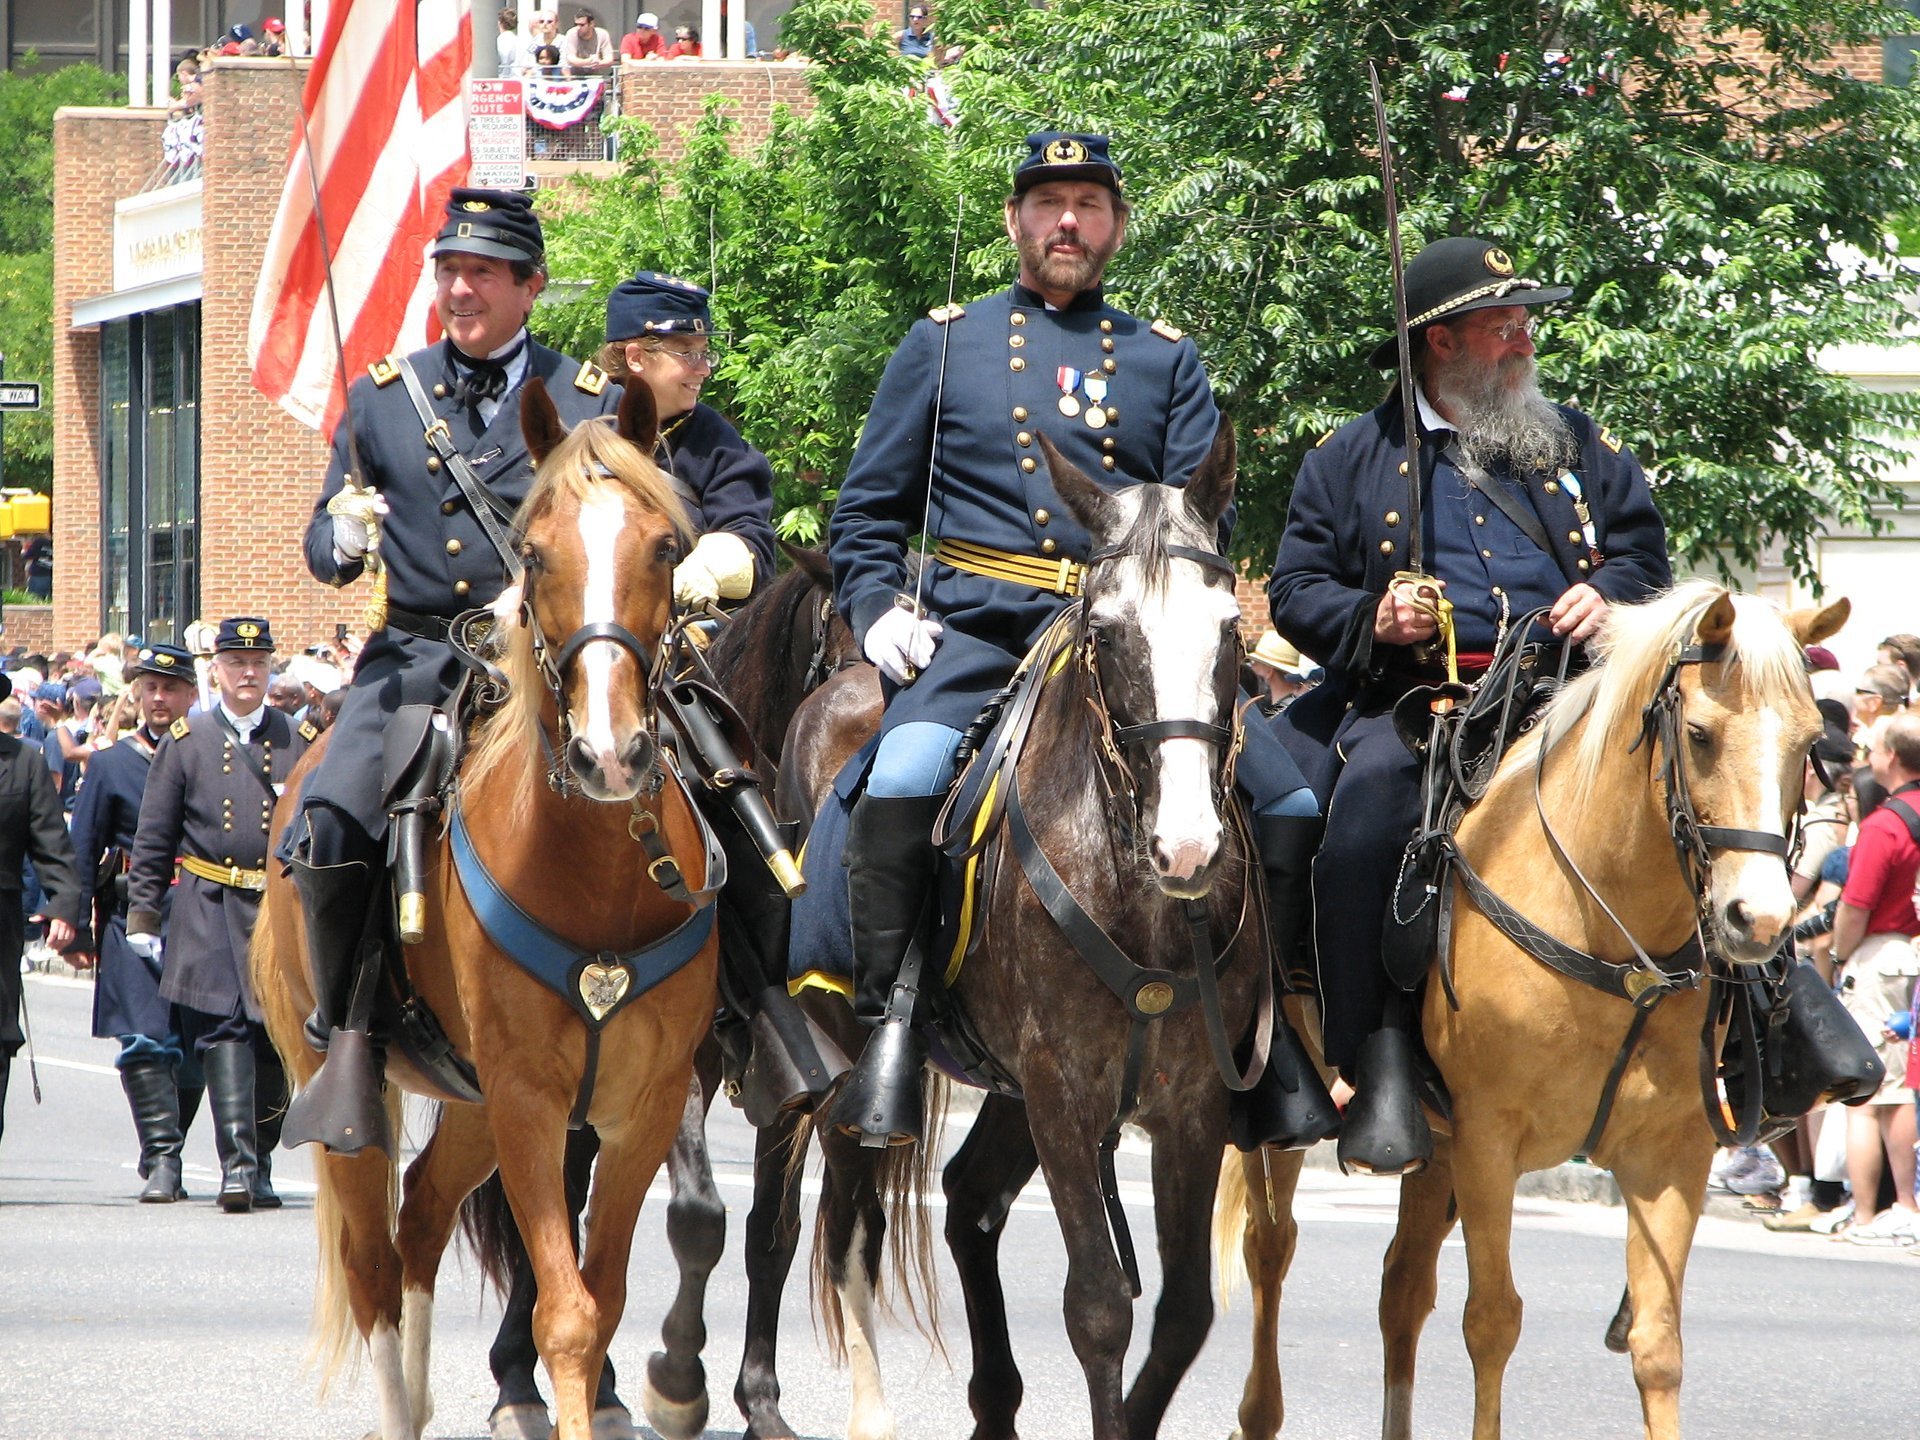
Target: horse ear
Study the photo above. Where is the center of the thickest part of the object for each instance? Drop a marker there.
(1716, 623)
(1210, 490)
(1810, 627)
(639, 419)
(539, 420)
(1092, 506)
(819, 569)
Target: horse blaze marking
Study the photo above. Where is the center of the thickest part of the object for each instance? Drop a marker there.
(602, 517)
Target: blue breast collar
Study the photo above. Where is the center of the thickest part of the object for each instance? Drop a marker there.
(597, 984)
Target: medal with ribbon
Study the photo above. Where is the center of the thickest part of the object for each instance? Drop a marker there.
(1069, 380)
(1096, 388)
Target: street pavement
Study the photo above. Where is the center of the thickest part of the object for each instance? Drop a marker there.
(142, 1322)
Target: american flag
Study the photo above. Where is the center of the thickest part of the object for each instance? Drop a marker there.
(385, 106)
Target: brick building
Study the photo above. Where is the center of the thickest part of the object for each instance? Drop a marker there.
(180, 491)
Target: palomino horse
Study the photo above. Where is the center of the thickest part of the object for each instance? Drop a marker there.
(1122, 789)
(1662, 788)
(564, 803)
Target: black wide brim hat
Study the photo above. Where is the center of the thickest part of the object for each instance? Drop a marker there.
(495, 224)
(1457, 275)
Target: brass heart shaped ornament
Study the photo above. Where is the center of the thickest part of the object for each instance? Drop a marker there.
(603, 987)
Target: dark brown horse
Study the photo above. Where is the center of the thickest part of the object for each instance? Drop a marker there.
(1123, 789)
(562, 783)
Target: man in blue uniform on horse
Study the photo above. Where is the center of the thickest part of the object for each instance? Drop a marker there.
(442, 467)
(1525, 505)
(951, 451)
(127, 1004)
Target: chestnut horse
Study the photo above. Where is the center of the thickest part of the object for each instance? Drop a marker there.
(562, 783)
(1605, 791)
(1127, 763)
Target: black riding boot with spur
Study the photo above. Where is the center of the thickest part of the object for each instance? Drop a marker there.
(229, 1067)
(341, 1106)
(156, 1118)
(891, 865)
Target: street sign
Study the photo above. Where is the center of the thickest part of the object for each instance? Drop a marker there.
(20, 395)
(497, 134)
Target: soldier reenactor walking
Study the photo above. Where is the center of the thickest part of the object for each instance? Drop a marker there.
(209, 801)
(163, 1084)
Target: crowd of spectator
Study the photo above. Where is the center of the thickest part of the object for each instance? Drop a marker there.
(1849, 1171)
(586, 51)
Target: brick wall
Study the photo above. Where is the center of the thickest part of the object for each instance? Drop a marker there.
(671, 97)
(259, 469)
(31, 628)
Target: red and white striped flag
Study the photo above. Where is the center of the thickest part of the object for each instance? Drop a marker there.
(386, 110)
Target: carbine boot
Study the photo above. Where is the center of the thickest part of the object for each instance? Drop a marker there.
(891, 866)
(229, 1069)
(341, 1105)
(156, 1119)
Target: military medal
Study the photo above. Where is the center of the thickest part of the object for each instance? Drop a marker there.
(1068, 379)
(1096, 388)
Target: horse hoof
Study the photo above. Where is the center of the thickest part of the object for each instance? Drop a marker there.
(521, 1422)
(612, 1422)
(673, 1419)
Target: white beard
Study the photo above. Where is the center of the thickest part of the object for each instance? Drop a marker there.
(1503, 420)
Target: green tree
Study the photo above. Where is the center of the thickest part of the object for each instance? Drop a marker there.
(1721, 212)
(28, 98)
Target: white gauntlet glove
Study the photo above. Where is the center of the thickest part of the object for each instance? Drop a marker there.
(147, 947)
(902, 644)
(356, 516)
(719, 567)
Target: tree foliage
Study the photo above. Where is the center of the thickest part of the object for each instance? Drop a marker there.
(28, 98)
(1721, 210)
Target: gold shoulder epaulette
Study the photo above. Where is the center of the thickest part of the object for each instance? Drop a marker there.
(1609, 439)
(1166, 331)
(180, 728)
(941, 314)
(385, 371)
(1323, 439)
(308, 731)
(592, 379)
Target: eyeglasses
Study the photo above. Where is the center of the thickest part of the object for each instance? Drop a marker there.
(1512, 330)
(708, 358)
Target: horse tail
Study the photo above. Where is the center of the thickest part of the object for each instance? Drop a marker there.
(1230, 1226)
(334, 1342)
(272, 953)
(903, 1178)
(487, 1225)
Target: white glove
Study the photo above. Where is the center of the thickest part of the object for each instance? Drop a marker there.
(356, 516)
(902, 644)
(147, 947)
(719, 567)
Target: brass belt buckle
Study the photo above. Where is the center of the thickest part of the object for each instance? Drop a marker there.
(439, 425)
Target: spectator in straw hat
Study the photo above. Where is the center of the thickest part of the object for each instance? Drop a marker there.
(1281, 671)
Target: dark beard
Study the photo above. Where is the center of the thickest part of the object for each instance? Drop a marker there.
(1059, 273)
(1504, 420)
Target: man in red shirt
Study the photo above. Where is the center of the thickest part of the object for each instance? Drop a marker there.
(1873, 931)
(645, 42)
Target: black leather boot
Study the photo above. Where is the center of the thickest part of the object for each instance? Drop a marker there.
(1385, 1132)
(156, 1118)
(341, 1105)
(229, 1069)
(269, 1116)
(891, 865)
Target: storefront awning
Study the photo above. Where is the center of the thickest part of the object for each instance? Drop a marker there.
(135, 301)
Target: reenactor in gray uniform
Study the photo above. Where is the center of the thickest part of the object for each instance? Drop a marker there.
(412, 507)
(208, 804)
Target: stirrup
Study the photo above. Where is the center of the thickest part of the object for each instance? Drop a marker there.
(342, 1106)
(880, 1102)
(794, 1064)
(1384, 1131)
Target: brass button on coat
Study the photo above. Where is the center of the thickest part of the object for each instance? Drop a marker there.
(447, 507)
(1019, 413)
(1107, 461)
(1016, 341)
(1016, 363)
(1393, 517)
(1041, 517)
(1386, 547)
(454, 547)
(1552, 487)
(1025, 437)
(433, 462)
(1019, 318)
(1574, 536)
(1028, 464)
(1047, 547)
(1106, 325)
(461, 588)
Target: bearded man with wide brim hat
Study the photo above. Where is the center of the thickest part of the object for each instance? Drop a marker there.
(414, 515)
(1525, 505)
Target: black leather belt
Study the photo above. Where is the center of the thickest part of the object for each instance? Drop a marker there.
(427, 627)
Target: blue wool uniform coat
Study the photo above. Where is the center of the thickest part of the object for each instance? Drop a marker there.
(726, 483)
(438, 559)
(1346, 537)
(990, 485)
(126, 994)
(31, 825)
(203, 800)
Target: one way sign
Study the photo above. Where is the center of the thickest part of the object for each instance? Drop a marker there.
(20, 395)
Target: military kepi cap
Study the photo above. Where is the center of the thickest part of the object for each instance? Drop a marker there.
(165, 660)
(499, 224)
(655, 304)
(1453, 276)
(243, 632)
(1056, 155)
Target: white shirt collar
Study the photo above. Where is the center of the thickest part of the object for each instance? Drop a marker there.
(245, 724)
(1430, 418)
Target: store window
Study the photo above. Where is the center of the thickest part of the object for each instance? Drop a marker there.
(150, 473)
(1898, 52)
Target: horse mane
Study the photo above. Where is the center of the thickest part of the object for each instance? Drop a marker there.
(592, 455)
(1633, 650)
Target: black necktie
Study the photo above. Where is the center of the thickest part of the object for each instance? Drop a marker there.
(477, 380)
